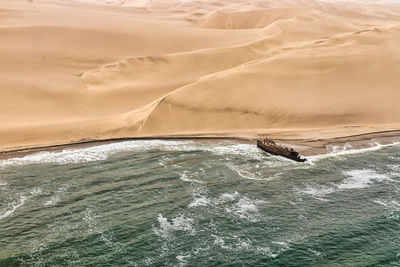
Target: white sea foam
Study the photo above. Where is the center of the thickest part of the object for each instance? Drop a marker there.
(393, 206)
(147, 261)
(163, 161)
(390, 204)
(52, 201)
(239, 245)
(95, 153)
(221, 243)
(229, 197)
(246, 208)
(95, 226)
(167, 228)
(315, 252)
(317, 191)
(247, 150)
(57, 195)
(361, 179)
(182, 258)
(394, 167)
(36, 191)
(90, 219)
(13, 208)
(395, 170)
(347, 149)
(250, 151)
(201, 201)
(250, 175)
(283, 246)
(233, 203)
(185, 176)
(244, 173)
(102, 152)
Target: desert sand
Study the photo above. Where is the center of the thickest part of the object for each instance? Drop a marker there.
(74, 71)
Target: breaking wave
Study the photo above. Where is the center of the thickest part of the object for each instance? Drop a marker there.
(167, 228)
(241, 206)
(200, 201)
(361, 179)
(348, 149)
(94, 153)
(103, 152)
(13, 208)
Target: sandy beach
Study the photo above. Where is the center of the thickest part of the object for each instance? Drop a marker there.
(304, 72)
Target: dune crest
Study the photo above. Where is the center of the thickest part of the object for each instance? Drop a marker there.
(253, 19)
(99, 69)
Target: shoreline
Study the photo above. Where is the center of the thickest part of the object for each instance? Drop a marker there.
(234, 71)
(306, 147)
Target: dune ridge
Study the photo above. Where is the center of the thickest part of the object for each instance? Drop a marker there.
(296, 69)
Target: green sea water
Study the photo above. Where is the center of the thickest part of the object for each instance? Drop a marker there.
(169, 203)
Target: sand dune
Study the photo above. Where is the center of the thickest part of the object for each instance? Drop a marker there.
(253, 19)
(84, 70)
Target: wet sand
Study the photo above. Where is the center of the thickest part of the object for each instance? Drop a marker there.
(347, 144)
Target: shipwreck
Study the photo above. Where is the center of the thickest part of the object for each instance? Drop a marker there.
(271, 147)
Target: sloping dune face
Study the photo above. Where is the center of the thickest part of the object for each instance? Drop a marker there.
(79, 70)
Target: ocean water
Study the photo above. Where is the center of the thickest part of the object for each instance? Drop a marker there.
(169, 203)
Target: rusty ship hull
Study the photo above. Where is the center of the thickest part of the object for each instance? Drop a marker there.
(277, 150)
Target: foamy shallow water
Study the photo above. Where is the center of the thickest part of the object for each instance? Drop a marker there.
(179, 203)
(103, 152)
